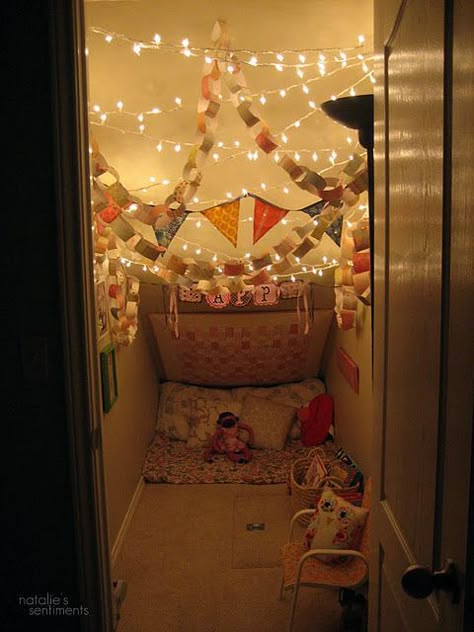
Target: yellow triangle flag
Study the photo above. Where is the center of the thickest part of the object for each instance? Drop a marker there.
(226, 219)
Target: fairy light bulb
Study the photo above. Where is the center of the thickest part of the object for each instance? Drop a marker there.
(279, 67)
(312, 105)
(296, 123)
(214, 258)
(255, 155)
(140, 118)
(144, 268)
(361, 39)
(185, 42)
(198, 224)
(302, 58)
(141, 128)
(156, 111)
(249, 155)
(159, 147)
(305, 88)
(280, 57)
(137, 49)
(262, 99)
(215, 155)
(349, 140)
(229, 194)
(178, 101)
(236, 143)
(325, 259)
(286, 190)
(313, 270)
(108, 38)
(365, 68)
(208, 59)
(198, 251)
(96, 108)
(244, 192)
(253, 61)
(297, 259)
(320, 272)
(284, 138)
(177, 148)
(283, 93)
(119, 105)
(165, 181)
(103, 117)
(219, 269)
(300, 73)
(220, 144)
(152, 179)
(157, 39)
(333, 97)
(263, 186)
(305, 269)
(314, 157)
(297, 156)
(230, 68)
(275, 279)
(277, 257)
(196, 201)
(352, 92)
(276, 157)
(187, 52)
(293, 278)
(372, 79)
(284, 221)
(247, 255)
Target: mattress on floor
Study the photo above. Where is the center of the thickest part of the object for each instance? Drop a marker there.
(169, 461)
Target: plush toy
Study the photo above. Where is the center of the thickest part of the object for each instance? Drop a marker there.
(226, 440)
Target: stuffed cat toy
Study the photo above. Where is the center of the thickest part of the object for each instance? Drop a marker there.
(226, 439)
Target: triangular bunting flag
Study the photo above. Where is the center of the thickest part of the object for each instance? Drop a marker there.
(226, 219)
(265, 217)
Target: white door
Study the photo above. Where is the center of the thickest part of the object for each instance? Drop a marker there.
(423, 308)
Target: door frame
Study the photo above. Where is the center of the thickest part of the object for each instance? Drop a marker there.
(77, 301)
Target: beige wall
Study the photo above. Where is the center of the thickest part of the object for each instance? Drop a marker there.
(353, 413)
(128, 428)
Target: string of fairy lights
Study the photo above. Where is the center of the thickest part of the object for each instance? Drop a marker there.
(320, 62)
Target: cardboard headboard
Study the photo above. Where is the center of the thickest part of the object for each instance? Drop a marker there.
(236, 349)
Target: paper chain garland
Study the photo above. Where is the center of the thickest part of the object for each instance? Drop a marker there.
(352, 278)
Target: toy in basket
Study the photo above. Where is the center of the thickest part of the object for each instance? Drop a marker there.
(311, 474)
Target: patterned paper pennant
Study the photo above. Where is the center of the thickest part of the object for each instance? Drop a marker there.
(166, 234)
(334, 230)
(265, 217)
(226, 219)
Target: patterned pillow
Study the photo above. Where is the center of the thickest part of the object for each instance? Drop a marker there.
(269, 420)
(336, 524)
(203, 420)
(174, 411)
(295, 394)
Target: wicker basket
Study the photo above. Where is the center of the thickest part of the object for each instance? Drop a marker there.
(304, 496)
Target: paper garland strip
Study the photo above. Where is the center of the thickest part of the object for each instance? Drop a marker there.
(353, 279)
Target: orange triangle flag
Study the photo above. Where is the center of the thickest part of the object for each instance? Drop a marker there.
(265, 217)
(226, 219)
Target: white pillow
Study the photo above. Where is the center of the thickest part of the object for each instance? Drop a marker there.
(174, 411)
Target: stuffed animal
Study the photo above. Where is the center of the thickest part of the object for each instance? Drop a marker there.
(226, 440)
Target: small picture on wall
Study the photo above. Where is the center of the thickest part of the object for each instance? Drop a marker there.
(102, 311)
(109, 378)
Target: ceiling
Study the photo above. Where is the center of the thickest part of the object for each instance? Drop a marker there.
(157, 76)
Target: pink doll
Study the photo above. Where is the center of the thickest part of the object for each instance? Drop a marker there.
(225, 440)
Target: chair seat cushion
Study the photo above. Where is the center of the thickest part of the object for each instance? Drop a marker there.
(349, 574)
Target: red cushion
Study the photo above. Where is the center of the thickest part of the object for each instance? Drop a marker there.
(316, 419)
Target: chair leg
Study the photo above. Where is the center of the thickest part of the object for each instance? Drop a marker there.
(293, 606)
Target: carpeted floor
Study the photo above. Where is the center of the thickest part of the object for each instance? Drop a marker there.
(192, 566)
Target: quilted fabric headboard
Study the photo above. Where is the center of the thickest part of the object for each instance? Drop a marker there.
(240, 349)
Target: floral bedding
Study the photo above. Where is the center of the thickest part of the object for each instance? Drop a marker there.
(169, 461)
